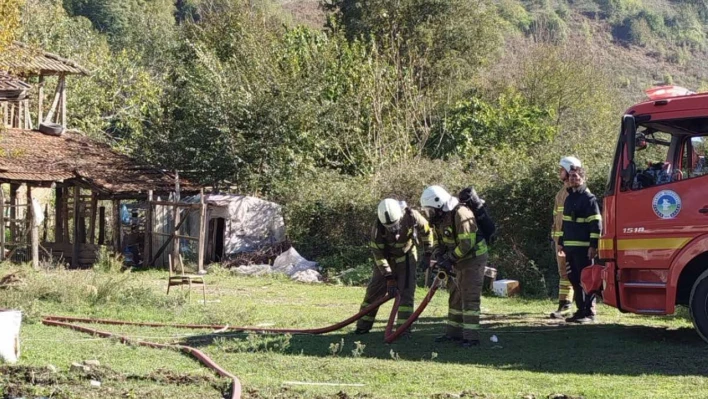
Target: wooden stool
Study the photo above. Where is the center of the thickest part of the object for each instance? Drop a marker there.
(185, 279)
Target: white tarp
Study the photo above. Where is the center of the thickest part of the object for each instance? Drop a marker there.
(249, 222)
(290, 263)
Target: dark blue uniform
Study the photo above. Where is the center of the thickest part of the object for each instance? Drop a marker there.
(581, 231)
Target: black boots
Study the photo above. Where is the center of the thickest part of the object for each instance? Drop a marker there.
(563, 309)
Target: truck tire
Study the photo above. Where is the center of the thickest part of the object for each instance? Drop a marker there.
(698, 305)
(52, 129)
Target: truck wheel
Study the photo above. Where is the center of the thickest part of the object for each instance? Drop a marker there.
(698, 305)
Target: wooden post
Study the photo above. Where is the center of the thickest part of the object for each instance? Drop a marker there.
(2, 224)
(202, 231)
(13, 212)
(147, 249)
(55, 103)
(63, 100)
(92, 221)
(75, 235)
(116, 226)
(40, 100)
(59, 205)
(20, 114)
(101, 225)
(12, 115)
(45, 230)
(28, 116)
(34, 228)
(176, 218)
(67, 236)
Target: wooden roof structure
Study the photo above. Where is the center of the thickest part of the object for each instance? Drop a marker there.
(31, 62)
(11, 88)
(32, 157)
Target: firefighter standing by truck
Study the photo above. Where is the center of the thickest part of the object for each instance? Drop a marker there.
(565, 288)
(579, 240)
(393, 240)
(459, 249)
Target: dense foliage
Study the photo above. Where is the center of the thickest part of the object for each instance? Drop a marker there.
(384, 98)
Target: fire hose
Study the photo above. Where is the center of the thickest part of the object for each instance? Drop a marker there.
(390, 334)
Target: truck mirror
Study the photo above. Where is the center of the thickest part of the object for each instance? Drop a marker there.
(629, 135)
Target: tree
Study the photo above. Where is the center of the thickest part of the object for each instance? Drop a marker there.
(10, 23)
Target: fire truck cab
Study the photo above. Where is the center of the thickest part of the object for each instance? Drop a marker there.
(655, 215)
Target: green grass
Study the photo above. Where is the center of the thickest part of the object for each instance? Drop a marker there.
(620, 356)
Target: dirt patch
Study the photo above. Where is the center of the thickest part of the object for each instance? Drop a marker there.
(164, 376)
(31, 382)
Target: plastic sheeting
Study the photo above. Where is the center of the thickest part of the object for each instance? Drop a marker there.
(290, 263)
(249, 222)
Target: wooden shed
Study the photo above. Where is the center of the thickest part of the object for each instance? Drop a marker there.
(86, 178)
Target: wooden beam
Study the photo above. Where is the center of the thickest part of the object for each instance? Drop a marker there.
(75, 235)
(59, 199)
(34, 229)
(202, 231)
(55, 103)
(116, 226)
(63, 100)
(45, 230)
(2, 223)
(164, 246)
(13, 211)
(65, 219)
(101, 225)
(28, 116)
(147, 247)
(92, 221)
(175, 218)
(40, 100)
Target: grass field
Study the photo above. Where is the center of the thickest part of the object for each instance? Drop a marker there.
(622, 355)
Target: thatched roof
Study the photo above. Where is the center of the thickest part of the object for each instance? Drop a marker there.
(35, 62)
(34, 157)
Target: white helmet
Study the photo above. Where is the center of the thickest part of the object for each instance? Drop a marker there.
(434, 197)
(570, 162)
(390, 212)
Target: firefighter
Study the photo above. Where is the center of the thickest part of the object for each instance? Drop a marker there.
(460, 250)
(565, 289)
(579, 239)
(393, 240)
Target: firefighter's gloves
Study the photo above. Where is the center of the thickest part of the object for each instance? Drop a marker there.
(446, 264)
(592, 253)
(391, 286)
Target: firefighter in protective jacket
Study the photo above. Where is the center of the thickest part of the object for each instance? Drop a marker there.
(393, 240)
(565, 288)
(460, 250)
(579, 239)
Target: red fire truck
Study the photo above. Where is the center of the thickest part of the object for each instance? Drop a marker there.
(655, 215)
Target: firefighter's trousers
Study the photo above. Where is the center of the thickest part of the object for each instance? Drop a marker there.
(404, 271)
(578, 260)
(465, 295)
(565, 288)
